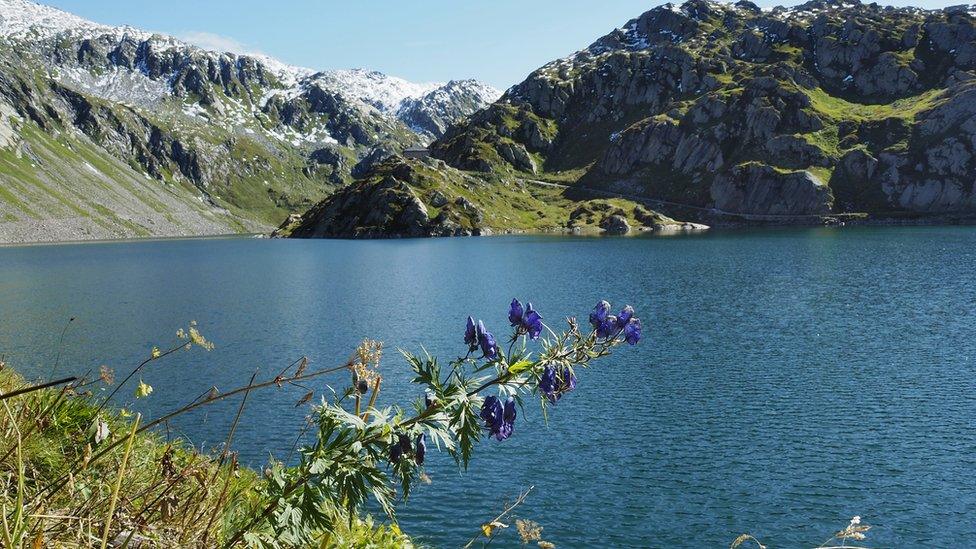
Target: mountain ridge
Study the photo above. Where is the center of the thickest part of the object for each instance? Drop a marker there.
(693, 103)
(250, 138)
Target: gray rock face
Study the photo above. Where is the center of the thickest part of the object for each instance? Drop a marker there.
(760, 118)
(935, 172)
(795, 152)
(849, 181)
(517, 156)
(762, 190)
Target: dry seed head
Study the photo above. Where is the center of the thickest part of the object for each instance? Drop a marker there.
(197, 338)
(106, 374)
(366, 361)
(528, 530)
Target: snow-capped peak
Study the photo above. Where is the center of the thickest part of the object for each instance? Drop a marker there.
(25, 19)
(384, 92)
(28, 22)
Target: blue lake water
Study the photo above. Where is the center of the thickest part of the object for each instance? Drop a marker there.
(790, 379)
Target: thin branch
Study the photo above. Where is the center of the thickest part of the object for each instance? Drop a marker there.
(38, 387)
(518, 501)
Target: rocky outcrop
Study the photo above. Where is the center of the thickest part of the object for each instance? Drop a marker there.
(385, 208)
(394, 199)
(615, 224)
(755, 189)
(424, 198)
(935, 170)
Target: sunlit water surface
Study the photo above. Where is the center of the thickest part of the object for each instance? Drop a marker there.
(790, 379)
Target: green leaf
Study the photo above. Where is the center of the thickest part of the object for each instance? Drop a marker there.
(520, 366)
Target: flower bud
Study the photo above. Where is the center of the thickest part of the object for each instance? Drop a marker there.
(599, 314)
(515, 312)
(421, 450)
(632, 332)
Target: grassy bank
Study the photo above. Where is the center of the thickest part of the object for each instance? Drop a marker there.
(75, 474)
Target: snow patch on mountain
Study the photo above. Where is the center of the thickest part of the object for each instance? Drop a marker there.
(384, 92)
(23, 19)
(117, 84)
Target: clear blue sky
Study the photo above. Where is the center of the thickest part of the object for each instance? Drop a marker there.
(498, 41)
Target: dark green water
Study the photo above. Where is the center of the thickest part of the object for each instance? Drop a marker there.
(790, 379)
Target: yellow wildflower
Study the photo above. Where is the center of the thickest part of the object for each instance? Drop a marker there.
(143, 389)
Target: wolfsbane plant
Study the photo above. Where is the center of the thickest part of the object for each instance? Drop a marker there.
(362, 455)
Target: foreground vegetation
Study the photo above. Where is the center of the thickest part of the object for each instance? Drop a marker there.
(75, 472)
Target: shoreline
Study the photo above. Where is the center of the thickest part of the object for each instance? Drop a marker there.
(223, 236)
(684, 229)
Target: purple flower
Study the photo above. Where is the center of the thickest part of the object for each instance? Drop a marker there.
(487, 342)
(567, 382)
(607, 327)
(471, 335)
(492, 412)
(599, 314)
(404, 442)
(508, 420)
(532, 323)
(632, 332)
(515, 312)
(555, 384)
(401, 447)
(421, 451)
(395, 454)
(549, 384)
(499, 420)
(625, 315)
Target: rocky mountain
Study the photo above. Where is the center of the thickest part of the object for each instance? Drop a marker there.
(112, 131)
(433, 112)
(721, 109)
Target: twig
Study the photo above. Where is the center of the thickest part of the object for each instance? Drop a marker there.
(57, 359)
(518, 501)
(372, 398)
(38, 387)
(237, 419)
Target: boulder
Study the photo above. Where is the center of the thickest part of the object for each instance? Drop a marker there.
(615, 224)
(516, 155)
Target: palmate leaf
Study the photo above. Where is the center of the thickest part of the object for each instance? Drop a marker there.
(464, 417)
(427, 370)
